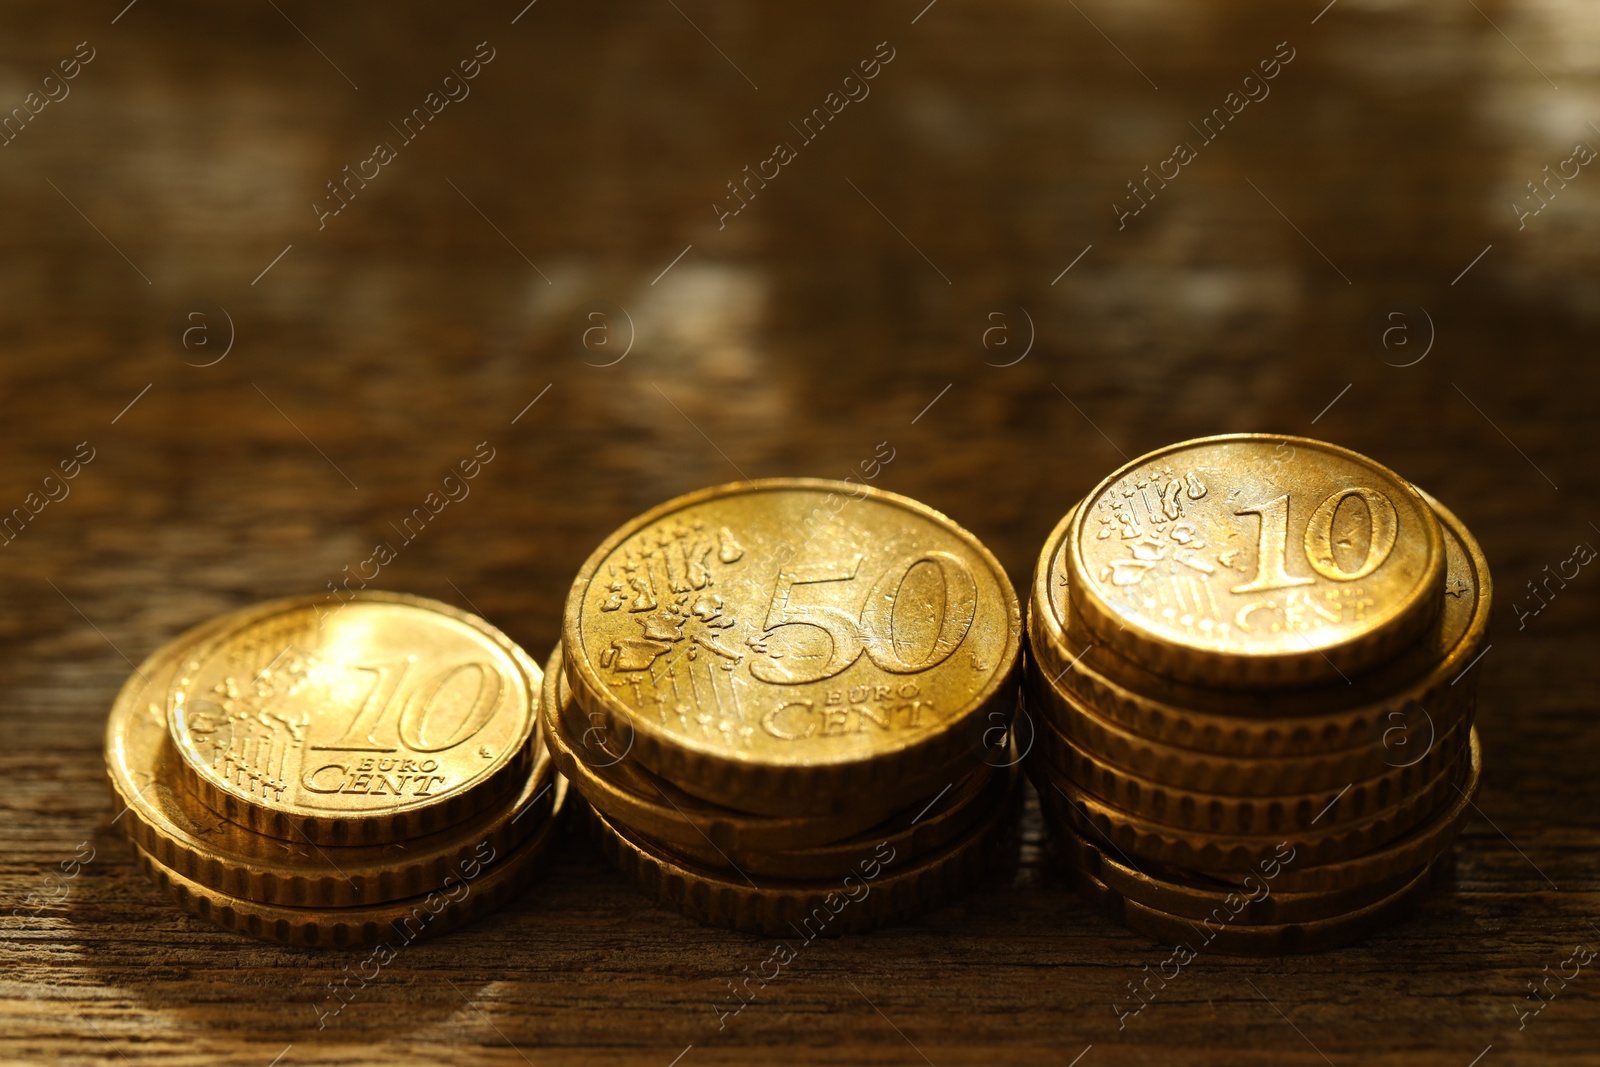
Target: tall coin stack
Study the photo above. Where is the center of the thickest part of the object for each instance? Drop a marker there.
(336, 771)
(1251, 672)
(787, 703)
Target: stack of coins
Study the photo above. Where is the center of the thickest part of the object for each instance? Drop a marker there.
(1250, 658)
(330, 773)
(787, 704)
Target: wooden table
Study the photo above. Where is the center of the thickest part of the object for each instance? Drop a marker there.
(951, 263)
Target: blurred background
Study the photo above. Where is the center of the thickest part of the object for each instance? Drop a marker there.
(277, 267)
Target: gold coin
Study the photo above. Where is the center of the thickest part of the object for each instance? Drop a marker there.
(913, 833)
(1255, 560)
(1256, 901)
(600, 766)
(384, 718)
(792, 645)
(1417, 848)
(180, 833)
(1401, 704)
(1214, 813)
(1231, 938)
(1062, 721)
(481, 882)
(884, 888)
(1143, 839)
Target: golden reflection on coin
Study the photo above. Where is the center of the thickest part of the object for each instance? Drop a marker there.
(374, 720)
(600, 766)
(191, 840)
(1255, 560)
(1410, 694)
(787, 645)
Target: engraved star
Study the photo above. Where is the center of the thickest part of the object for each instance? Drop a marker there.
(1455, 587)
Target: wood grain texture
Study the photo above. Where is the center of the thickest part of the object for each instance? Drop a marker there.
(846, 305)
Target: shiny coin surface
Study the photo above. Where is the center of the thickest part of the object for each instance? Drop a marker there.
(481, 882)
(375, 720)
(165, 820)
(885, 886)
(601, 767)
(1255, 560)
(791, 646)
(1401, 705)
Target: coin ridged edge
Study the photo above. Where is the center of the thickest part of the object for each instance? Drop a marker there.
(1237, 939)
(1143, 839)
(1192, 900)
(1204, 772)
(288, 888)
(1185, 809)
(341, 927)
(378, 827)
(772, 908)
(930, 833)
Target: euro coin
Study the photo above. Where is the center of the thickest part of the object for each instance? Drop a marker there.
(1255, 560)
(380, 719)
(166, 821)
(793, 646)
(1401, 705)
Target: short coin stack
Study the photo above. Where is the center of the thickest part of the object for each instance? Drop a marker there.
(330, 772)
(787, 704)
(1250, 670)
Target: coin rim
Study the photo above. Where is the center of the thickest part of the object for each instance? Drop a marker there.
(1239, 853)
(1193, 901)
(285, 883)
(742, 781)
(1134, 711)
(770, 907)
(1254, 668)
(487, 787)
(501, 880)
(1138, 794)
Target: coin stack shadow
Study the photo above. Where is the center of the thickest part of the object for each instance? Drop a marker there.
(384, 872)
(797, 875)
(1255, 821)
